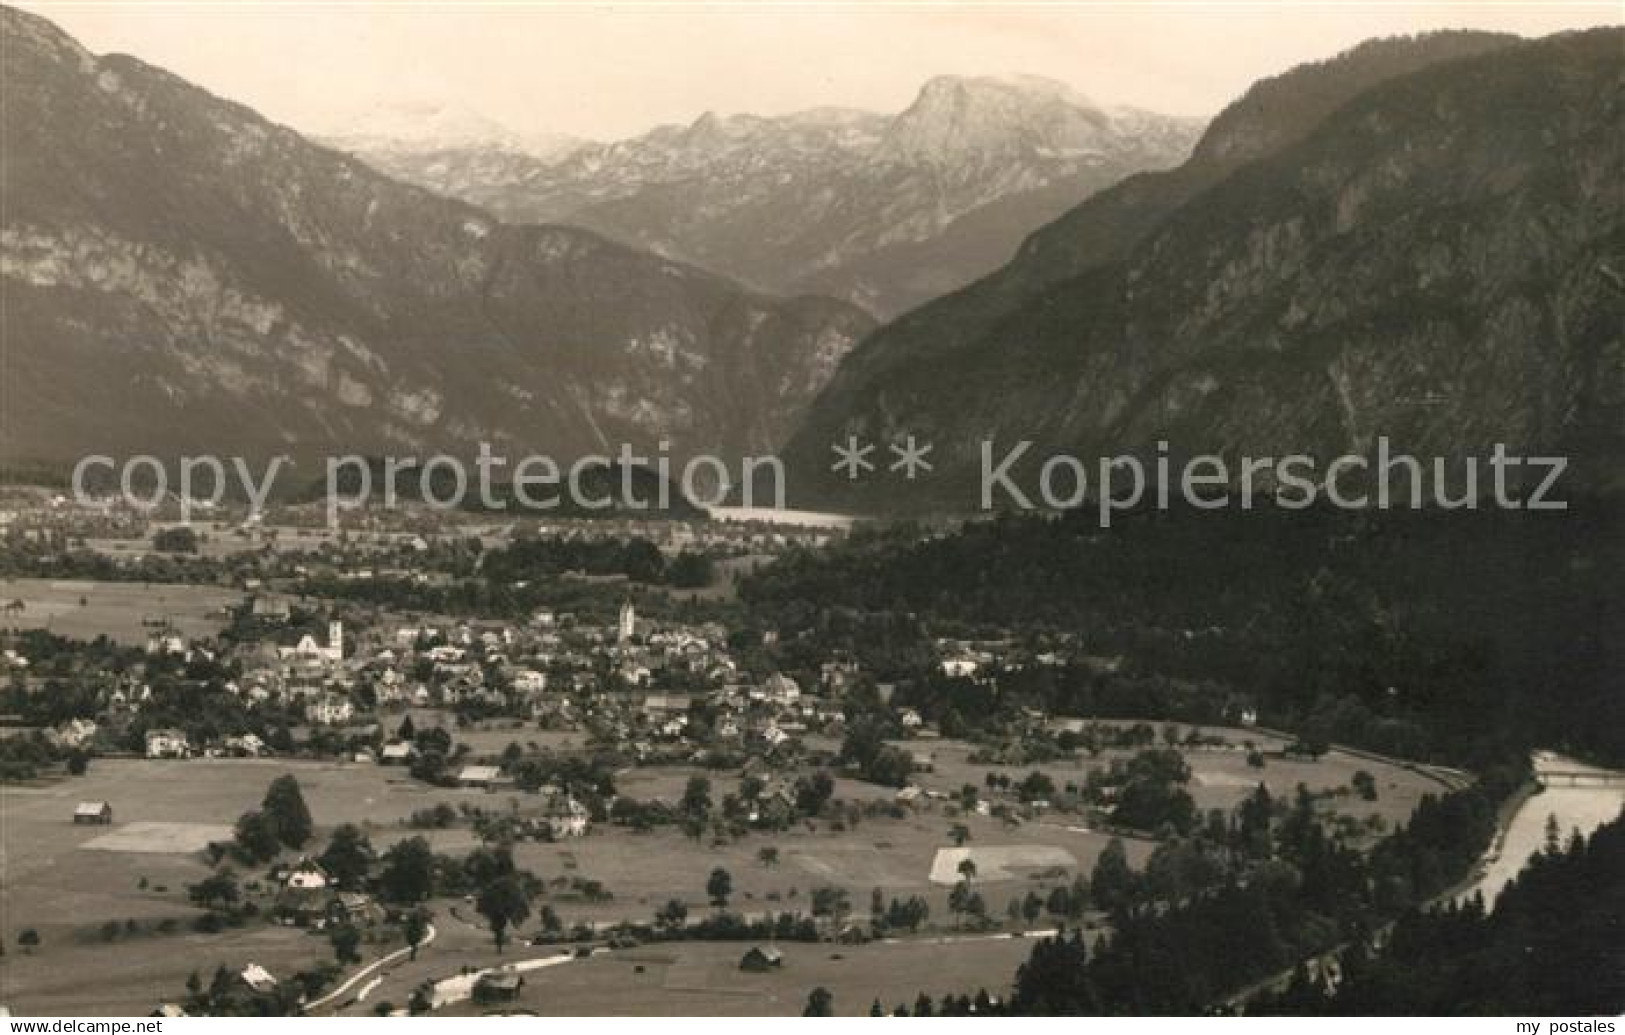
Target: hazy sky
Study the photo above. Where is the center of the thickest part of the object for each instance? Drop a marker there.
(606, 71)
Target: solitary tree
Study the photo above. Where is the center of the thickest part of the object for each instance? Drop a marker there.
(215, 891)
(1365, 784)
(504, 903)
(285, 808)
(349, 856)
(819, 1003)
(408, 872)
(719, 886)
(957, 900)
(415, 928)
(346, 943)
(696, 803)
(1031, 907)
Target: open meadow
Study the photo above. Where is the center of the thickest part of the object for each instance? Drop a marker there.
(1221, 777)
(92, 891)
(703, 979)
(125, 612)
(69, 882)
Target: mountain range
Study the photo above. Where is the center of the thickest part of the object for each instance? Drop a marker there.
(1419, 239)
(181, 275)
(408, 128)
(886, 211)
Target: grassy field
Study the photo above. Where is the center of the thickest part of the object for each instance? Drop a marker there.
(122, 611)
(68, 881)
(644, 870)
(703, 979)
(1220, 778)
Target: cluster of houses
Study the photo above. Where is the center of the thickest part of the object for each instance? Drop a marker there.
(551, 667)
(647, 687)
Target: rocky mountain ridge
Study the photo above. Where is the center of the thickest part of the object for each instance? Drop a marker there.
(1413, 241)
(181, 275)
(885, 211)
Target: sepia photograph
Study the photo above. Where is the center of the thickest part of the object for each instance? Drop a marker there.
(700, 510)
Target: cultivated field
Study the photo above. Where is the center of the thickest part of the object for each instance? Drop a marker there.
(126, 612)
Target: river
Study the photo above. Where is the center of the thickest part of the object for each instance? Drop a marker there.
(1583, 807)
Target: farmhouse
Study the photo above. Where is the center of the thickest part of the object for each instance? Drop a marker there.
(307, 873)
(93, 812)
(303, 906)
(352, 907)
(759, 959)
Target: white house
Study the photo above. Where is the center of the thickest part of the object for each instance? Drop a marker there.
(258, 978)
(329, 710)
(307, 875)
(486, 776)
(530, 681)
(398, 753)
(74, 733)
(961, 666)
(167, 743)
(567, 817)
(248, 744)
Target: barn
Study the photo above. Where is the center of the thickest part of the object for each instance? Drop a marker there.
(760, 959)
(93, 812)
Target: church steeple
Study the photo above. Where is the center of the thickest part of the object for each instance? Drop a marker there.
(628, 623)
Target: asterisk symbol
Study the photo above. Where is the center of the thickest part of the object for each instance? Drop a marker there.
(854, 458)
(910, 458)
